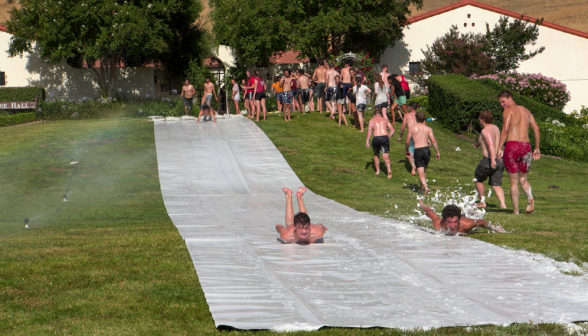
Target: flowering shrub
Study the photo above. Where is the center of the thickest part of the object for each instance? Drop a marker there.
(362, 62)
(543, 89)
(568, 141)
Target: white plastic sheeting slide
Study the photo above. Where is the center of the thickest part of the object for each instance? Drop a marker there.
(221, 184)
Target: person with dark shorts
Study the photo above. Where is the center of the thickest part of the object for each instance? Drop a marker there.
(319, 77)
(360, 93)
(188, 92)
(517, 151)
(341, 93)
(278, 91)
(381, 141)
(420, 134)
(490, 167)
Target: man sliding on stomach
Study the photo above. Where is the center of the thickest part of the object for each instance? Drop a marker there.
(452, 221)
(517, 152)
(298, 228)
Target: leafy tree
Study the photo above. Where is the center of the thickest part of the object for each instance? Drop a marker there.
(508, 40)
(456, 53)
(102, 33)
(256, 29)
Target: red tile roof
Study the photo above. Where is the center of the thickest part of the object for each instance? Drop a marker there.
(288, 57)
(501, 11)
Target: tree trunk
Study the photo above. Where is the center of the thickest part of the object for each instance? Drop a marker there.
(106, 74)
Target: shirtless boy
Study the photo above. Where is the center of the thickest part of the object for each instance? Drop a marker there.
(385, 75)
(206, 111)
(207, 96)
(298, 228)
(188, 95)
(331, 91)
(287, 96)
(319, 76)
(490, 166)
(517, 151)
(408, 122)
(381, 142)
(346, 80)
(420, 134)
(452, 221)
(303, 94)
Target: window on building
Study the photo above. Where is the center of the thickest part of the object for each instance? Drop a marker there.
(414, 68)
(469, 16)
(465, 24)
(473, 24)
(2, 78)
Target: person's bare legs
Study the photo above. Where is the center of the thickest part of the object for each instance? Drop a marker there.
(257, 109)
(384, 112)
(387, 161)
(377, 164)
(331, 107)
(405, 109)
(393, 113)
(514, 191)
(361, 121)
(341, 114)
(500, 194)
(289, 207)
(423, 178)
(237, 111)
(286, 112)
(319, 102)
(299, 195)
(279, 105)
(482, 192)
(311, 103)
(411, 161)
(264, 109)
(526, 186)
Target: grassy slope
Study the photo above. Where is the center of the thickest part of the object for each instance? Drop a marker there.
(110, 261)
(333, 162)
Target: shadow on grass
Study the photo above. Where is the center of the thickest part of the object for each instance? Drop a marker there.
(407, 165)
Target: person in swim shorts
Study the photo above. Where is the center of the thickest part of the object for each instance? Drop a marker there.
(421, 134)
(298, 229)
(517, 148)
(319, 77)
(408, 122)
(206, 111)
(235, 97)
(188, 92)
(285, 84)
(208, 91)
(452, 221)
(381, 141)
(278, 92)
(340, 99)
(360, 93)
(331, 93)
(490, 167)
(303, 94)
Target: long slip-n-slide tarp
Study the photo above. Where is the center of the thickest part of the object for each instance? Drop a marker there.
(222, 187)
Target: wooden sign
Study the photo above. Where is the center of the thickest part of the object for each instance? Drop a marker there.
(18, 105)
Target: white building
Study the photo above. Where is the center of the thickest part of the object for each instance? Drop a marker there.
(64, 81)
(564, 58)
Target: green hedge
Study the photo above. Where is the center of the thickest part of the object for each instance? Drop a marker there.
(14, 94)
(17, 119)
(457, 102)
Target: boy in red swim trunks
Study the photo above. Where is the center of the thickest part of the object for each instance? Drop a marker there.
(517, 152)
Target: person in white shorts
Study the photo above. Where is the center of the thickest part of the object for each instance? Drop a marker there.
(236, 97)
(360, 92)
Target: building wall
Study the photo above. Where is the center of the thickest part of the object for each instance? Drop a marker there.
(563, 58)
(65, 82)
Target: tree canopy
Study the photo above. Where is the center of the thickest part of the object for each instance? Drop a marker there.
(507, 42)
(256, 29)
(131, 32)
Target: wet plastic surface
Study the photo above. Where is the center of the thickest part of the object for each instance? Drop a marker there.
(221, 184)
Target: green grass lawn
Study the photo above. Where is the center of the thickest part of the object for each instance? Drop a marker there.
(334, 162)
(110, 262)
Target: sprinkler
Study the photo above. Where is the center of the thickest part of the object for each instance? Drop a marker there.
(26, 221)
(64, 195)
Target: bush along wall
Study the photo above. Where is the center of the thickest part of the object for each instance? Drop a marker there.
(457, 102)
(15, 119)
(21, 94)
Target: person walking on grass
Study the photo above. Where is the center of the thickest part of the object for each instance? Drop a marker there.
(303, 93)
(285, 84)
(259, 94)
(188, 95)
(382, 95)
(298, 229)
(384, 74)
(278, 91)
(311, 89)
(207, 96)
(421, 134)
(490, 166)
(382, 130)
(249, 98)
(517, 148)
(360, 93)
(400, 97)
(331, 91)
(319, 77)
(244, 94)
(235, 97)
(341, 88)
(346, 79)
(408, 122)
